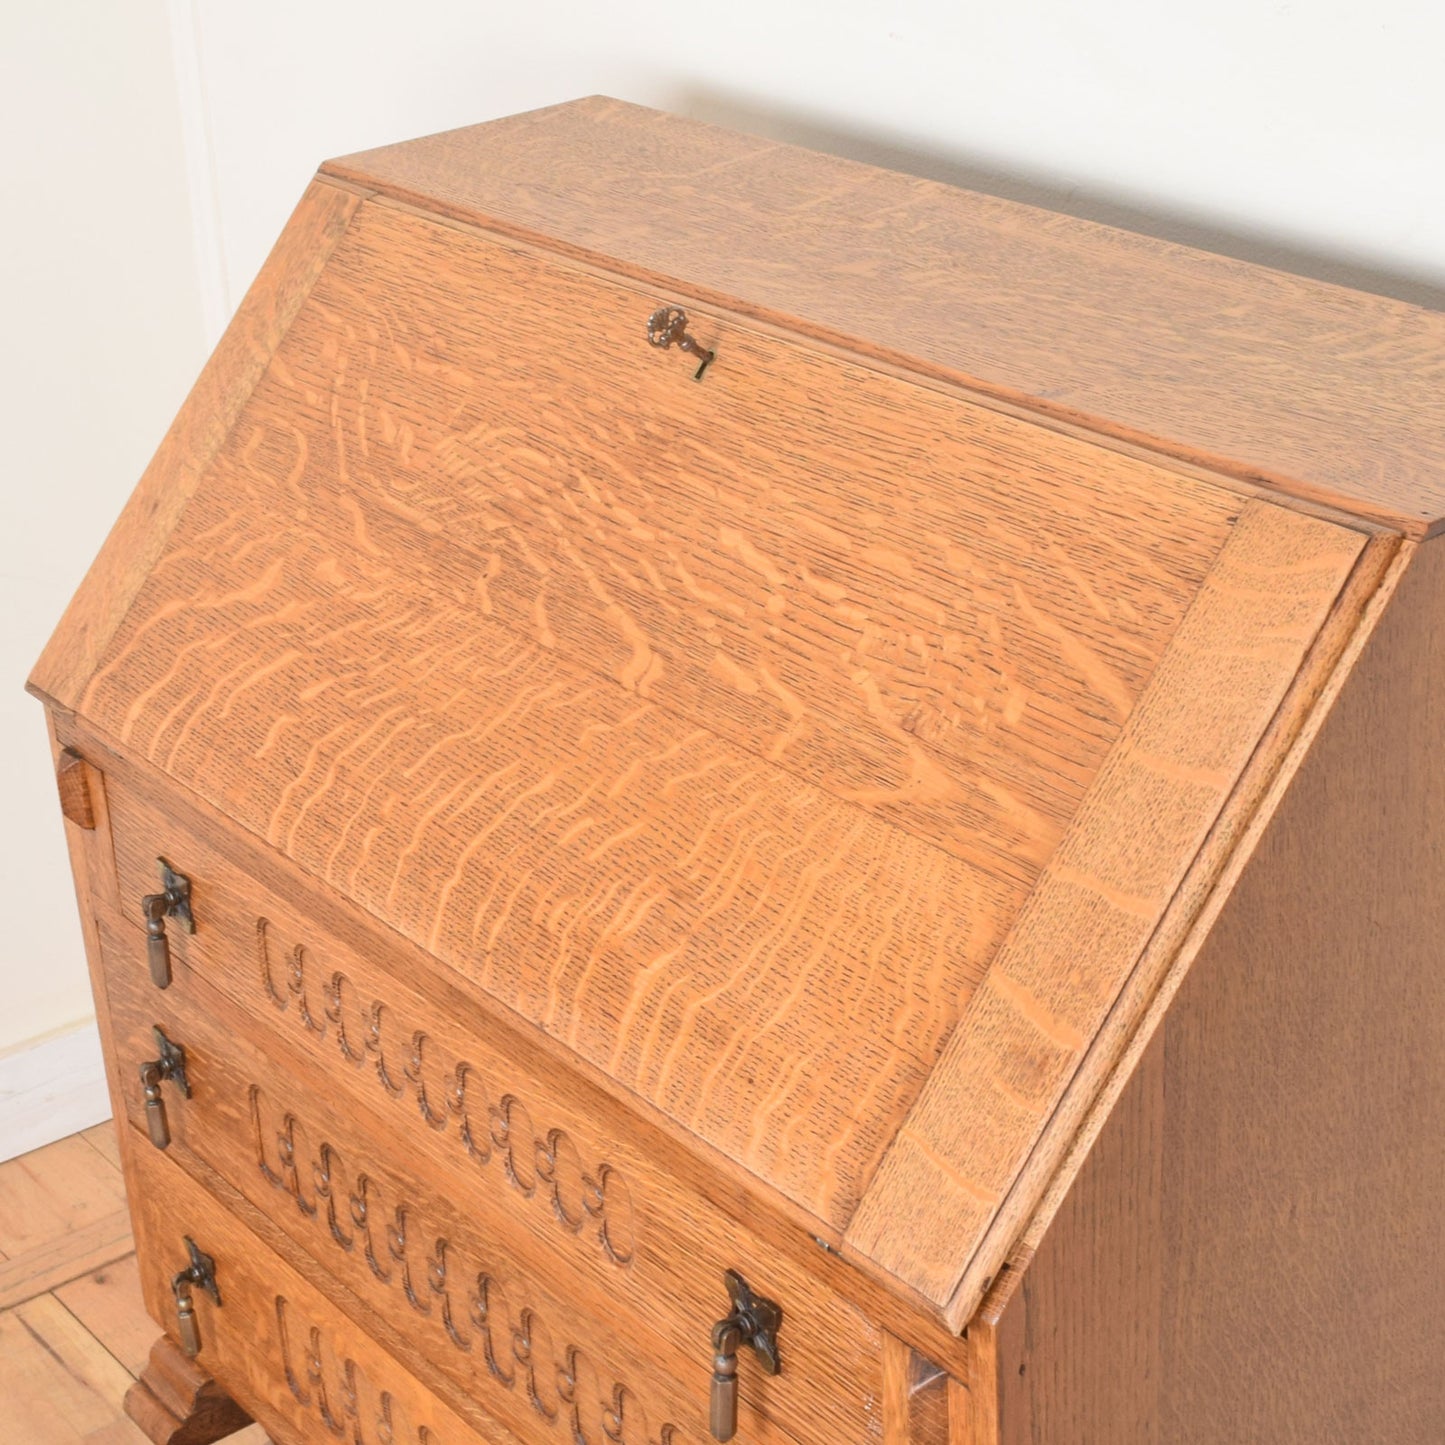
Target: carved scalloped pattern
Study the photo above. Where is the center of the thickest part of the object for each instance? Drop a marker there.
(334, 1387)
(491, 1126)
(465, 1303)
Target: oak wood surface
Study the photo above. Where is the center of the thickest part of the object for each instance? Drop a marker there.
(74, 788)
(1138, 338)
(92, 869)
(297, 905)
(283, 1350)
(403, 1218)
(1077, 1355)
(718, 664)
(195, 436)
(1258, 1229)
(918, 1403)
(1221, 862)
(978, 1149)
(175, 1402)
(846, 812)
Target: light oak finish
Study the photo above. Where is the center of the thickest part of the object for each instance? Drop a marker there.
(700, 1186)
(209, 413)
(770, 633)
(1215, 1274)
(641, 823)
(1048, 1019)
(74, 785)
(308, 1370)
(176, 1403)
(309, 1139)
(1127, 336)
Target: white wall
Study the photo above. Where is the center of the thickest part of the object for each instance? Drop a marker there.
(1307, 133)
(102, 332)
(154, 150)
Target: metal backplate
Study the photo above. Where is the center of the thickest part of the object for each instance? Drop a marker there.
(177, 888)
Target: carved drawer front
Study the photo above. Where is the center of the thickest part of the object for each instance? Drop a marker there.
(274, 1341)
(509, 1220)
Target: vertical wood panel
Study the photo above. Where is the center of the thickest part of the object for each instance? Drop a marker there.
(1278, 1150)
(945, 1208)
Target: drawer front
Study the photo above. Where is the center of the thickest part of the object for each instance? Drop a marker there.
(410, 1149)
(275, 1343)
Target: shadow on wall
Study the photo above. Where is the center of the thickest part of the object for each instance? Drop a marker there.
(774, 123)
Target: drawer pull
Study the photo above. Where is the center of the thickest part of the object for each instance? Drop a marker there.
(754, 1321)
(199, 1274)
(173, 901)
(668, 326)
(171, 1064)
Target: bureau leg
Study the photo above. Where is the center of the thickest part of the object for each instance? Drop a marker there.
(176, 1403)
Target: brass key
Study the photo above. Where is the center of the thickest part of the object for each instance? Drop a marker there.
(667, 326)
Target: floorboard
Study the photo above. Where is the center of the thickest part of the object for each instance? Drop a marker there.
(73, 1331)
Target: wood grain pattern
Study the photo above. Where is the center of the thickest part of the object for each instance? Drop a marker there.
(405, 1227)
(92, 867)
(1216, 870)
(708, 1186)
(1290, 1204)
(139, 535)
(946, 1207)
(919, 816)
(794, 555)
(175, 1402)
(556, 853)
(55, 1377)
(916, 1398)
(107, 1301)
(40, 1269)
(1076, 1354)
(74, 788)
(299, 1365)
(58, 1386)
(1136, 338)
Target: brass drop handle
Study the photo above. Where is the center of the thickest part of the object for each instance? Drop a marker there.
(170, 1063)
(173, 901)
(754, 1321)
(667, 326)
(199, 1274)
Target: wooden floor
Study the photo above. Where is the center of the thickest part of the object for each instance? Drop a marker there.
(73, 1331)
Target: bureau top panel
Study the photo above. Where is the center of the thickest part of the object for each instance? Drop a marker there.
(771, 741)
(1321, 391)
(721, 727)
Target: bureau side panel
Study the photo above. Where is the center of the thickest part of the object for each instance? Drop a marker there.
(1256, 1247)
(197, 434)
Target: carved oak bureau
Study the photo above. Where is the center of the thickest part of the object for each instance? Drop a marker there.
(719, 794)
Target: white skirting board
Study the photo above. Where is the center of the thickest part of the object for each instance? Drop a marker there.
(50, 1089)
